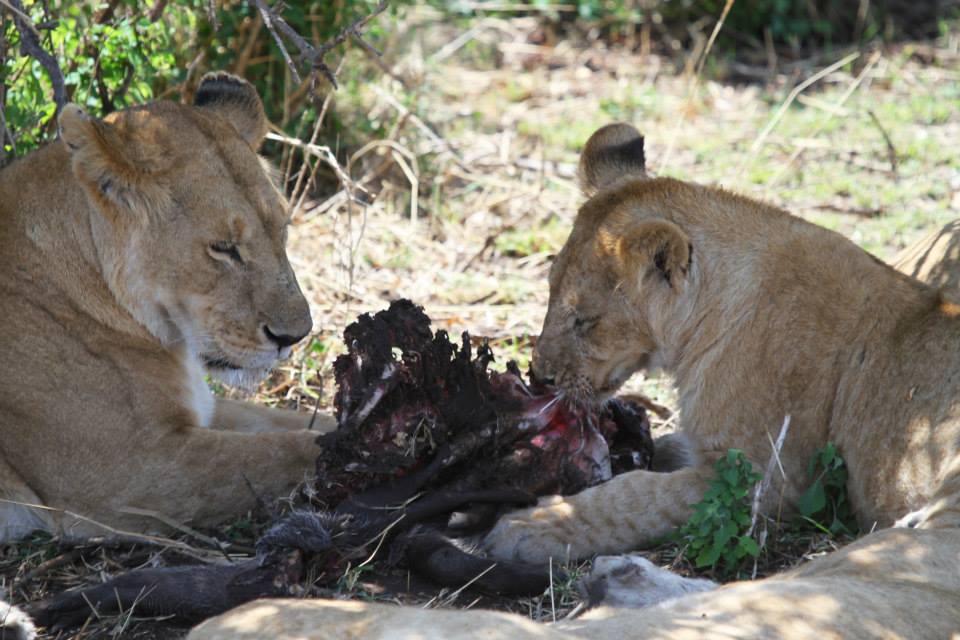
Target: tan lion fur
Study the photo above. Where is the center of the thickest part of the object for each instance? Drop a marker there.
(773, 316)
(134, 250)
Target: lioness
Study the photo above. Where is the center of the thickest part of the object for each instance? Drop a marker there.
(758, 315)
(138, 253)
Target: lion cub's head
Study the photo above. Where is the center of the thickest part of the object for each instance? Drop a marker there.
(188, 229)
(622, 263)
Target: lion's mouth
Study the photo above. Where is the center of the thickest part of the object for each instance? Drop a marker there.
(219, 362)
(618, 377)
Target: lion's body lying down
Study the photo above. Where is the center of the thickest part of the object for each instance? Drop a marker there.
(896, 583)
(758, 315)
(138, 253)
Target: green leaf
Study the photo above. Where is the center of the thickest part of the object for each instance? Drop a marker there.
(749, 545)
(708, 557)
(813, 500)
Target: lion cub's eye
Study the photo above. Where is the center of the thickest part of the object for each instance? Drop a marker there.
(225, 251)
(585, 324)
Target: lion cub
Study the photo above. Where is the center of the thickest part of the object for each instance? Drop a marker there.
(758, 315)
(139, 253)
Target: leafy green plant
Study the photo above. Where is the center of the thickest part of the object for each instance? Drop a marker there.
(825, 504)
(122, 53)
(715, 535)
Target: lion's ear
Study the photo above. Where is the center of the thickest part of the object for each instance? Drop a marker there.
(104, 161)
(237, 101)
(612, 152)
(652, 246)
(77, 129)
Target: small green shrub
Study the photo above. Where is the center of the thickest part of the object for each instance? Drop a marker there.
(715, 535)
(825, 504)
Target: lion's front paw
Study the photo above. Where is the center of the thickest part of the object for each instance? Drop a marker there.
(537, 534)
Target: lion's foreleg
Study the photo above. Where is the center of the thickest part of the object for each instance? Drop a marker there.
(243, 417)
(201, 477)
(629, 512)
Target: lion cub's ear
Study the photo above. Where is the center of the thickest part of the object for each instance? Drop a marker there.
(650, 246)
(237, 101)
(612, 152)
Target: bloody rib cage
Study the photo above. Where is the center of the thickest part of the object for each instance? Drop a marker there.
(408, 398)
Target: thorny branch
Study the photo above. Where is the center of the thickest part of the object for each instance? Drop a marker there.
(30, 46)
(109, 100)
(3, 101)
(309, 55)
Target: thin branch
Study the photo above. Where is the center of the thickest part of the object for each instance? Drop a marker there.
(106, 14)
(3, 129)
(320, 152)
(307, 54)
(377, 58)
(212, 15)
(157, 11)
(30, 46)
(3, 102)
(268, 19)
(107, 99)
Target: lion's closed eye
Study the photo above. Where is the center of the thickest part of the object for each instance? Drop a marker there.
(225, 251)
(584, 324)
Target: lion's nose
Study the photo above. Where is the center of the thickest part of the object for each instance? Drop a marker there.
(282, 339)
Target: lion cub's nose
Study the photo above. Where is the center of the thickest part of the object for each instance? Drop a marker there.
(282, 339)
(540, 373)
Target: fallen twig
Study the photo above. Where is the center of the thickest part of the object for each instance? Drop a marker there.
(764, 484)
(425, 127)
(45, 567)
(118, 534)
(405, 159)
(854, 85)
(891, 150)
(797, 90)
(179, 526)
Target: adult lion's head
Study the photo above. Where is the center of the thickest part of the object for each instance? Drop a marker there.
(623, 266)
(188, 228)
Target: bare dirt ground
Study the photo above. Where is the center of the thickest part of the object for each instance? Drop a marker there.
(487, 125)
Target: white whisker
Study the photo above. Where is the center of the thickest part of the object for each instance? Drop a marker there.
(552, 402)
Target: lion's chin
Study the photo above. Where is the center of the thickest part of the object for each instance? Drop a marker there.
(605, 389)
(245, 379)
